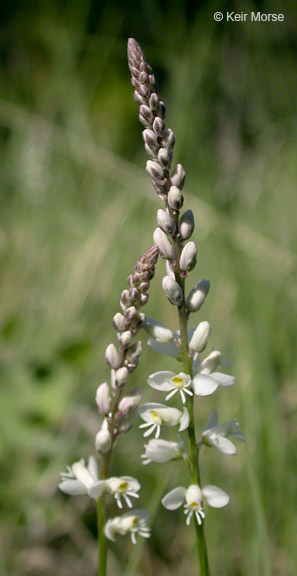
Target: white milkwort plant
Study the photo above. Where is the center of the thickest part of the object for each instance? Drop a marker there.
(118, 406)
(198, 376)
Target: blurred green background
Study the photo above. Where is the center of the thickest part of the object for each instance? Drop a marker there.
(77, 209)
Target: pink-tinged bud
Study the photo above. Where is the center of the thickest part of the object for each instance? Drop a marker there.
(178, 176)
(144, 79)
(143, 120)
(125, 339)
(164, 244)
(103, 399)
(125, 300)
(143, 299)
(150, 150)
(146, 112)
(138, 98)
(119, 322)
(144, 286)
(188, 257)
(133, 294)
(186, 225)
(133, 352)
(159, 126)
(169, 270)
(165, 222)
(130, 402)
(103, 439)
(144, 91)
(172, 290)
(112, 356)
(168, 139)
(197, 296)
(154, 101)
(149, 137)
(121, 376)
(137, 321)
(200, 337)
(164, 157)
(130, 313)
(175, 198)
(161, 110)
(154, 170)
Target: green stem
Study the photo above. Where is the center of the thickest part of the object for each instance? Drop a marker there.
(193, 460)
(102, 544)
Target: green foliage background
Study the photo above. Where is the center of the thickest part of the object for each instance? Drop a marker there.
(77, 209)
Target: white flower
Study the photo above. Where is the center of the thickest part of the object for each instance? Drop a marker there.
(204, 384)
(155, 415)
(215, 434)
(123, 486)
(162, 451)
(79, 479)
(214, 496)
(131, 523)
(171, 382)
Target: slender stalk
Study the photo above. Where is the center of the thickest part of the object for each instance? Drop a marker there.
(102, 544)
(193, 460)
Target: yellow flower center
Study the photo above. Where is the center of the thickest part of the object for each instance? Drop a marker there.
(178, 382)
(123, 487)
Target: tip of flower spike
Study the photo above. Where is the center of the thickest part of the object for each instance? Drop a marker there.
(134, 52)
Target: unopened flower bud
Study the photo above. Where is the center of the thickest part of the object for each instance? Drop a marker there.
(112, 356)
(125, 339)
(165, 222)
(172, 290)
(146, 112)
(143, 299)
(130, 313)
(164, 157)
(154, 101)
(129, 402)
(200, 337)
(137, 321)
(197, 296)
(125, 300)
(138, 98)
(119, 322)
(159, 126)
(157, 330)
(149, 137)
(211, 362)
(188, 257)
(186, 225)
(154, 170)
(144, 91)
(103, 399)
(103, 439)
(164, 244)
(168, 139)
(121, 376)
(178, 176)
(175, 198)
(161, 110)
(133, 352)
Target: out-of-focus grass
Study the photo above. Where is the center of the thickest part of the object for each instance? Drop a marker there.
(76, 212)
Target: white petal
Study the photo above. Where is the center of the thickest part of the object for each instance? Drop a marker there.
(157, 330)
(204, 385)
(223, 445)
(97, 489)
(108, 531)
(223, 379)
(159, 380)
(93, 467)
(184, 421)
(73, 487)
(215, 497)
(167, 349)
(212, 420)
(174, 498)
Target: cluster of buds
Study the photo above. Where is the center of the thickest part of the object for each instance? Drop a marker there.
(118, 410)
(172, 231)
